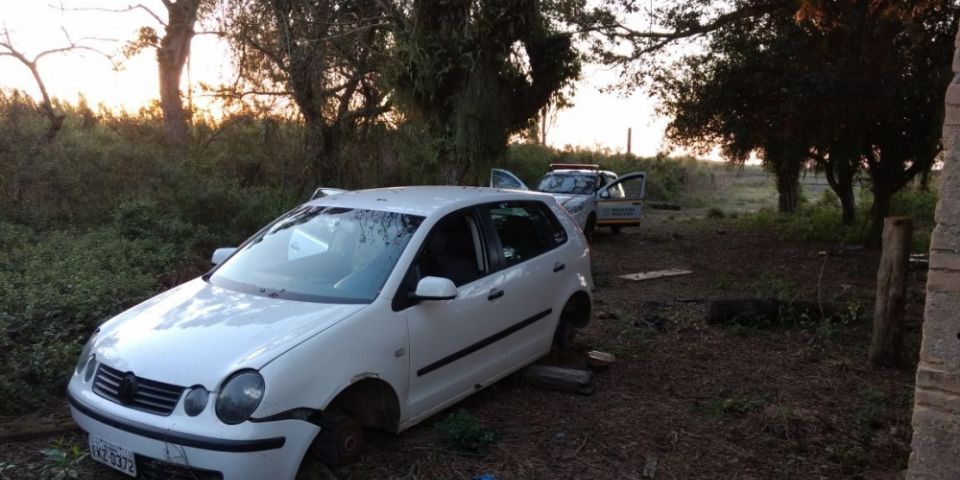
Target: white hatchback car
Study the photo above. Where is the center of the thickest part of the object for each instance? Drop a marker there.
(373, 308)
(594, 197)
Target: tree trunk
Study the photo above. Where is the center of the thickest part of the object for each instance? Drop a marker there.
(171, 57)
(882, 197)
(315, 149)
(887, 339)
(848, 203)
(788, 187)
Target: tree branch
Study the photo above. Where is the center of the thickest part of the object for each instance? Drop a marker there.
(128, 8)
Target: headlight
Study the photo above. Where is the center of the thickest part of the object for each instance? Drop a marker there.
(91, 368)
(85, 353)
(196, 401)
(239, 396)
(575, 206)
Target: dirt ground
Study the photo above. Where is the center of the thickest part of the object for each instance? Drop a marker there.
(795, 399)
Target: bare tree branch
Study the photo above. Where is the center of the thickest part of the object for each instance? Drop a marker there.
(128, 8)
(8, 49)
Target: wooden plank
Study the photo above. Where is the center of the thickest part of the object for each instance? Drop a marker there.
(671, 272)
(556, 378)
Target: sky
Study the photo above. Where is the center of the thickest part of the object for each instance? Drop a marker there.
(596, 119)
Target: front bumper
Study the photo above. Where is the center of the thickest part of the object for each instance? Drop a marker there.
(245, 451)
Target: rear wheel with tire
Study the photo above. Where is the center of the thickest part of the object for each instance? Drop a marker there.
(575, 315)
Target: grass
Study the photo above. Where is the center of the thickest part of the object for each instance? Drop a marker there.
(65, 458)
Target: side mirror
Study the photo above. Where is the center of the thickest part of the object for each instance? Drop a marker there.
(435, 288)
(604, 194)
(221, 254)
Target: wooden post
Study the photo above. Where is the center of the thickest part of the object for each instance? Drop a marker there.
(891, 292)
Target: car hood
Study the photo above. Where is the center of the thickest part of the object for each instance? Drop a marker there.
(567, 198)
(198, 333)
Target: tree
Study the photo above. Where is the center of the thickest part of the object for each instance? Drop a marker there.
(474, 73)
(9, 49)
(845, 84)
(326, 55)
(173, 49)
(748, 94)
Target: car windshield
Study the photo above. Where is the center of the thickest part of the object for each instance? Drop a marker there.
(320, 254)
(575, 183)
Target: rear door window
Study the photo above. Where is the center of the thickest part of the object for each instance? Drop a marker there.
(524, 229)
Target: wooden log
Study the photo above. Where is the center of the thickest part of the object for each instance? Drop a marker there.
(33, 428)
(556, 378)
(600, 360)
(887, 339)
(722, 312)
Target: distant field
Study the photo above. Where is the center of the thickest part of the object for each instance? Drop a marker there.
(742, 190)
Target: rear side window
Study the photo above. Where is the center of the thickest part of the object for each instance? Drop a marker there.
(525, 229)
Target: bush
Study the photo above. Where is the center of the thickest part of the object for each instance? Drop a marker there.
(55, 288)
(465, 434)
(715, 213)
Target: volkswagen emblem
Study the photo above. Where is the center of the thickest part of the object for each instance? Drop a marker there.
(127, 389)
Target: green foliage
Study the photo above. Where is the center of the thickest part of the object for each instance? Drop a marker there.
(56, 287)
(783, 85)
(819, 221)
(64, 459)
(473, 74)
(465, 434)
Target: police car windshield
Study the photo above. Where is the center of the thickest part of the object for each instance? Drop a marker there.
(571, 183)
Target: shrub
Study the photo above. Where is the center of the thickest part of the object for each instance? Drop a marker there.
(55, 289)
(465, 434)
(715, 213)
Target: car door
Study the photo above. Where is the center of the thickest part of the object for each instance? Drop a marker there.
(500, 178)
(527, 238)
(453, 342)
(621, 201)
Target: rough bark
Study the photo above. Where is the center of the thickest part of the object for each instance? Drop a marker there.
(172, 55)
(882, 198)
(788, 187)
(887, 342)
(841, 171)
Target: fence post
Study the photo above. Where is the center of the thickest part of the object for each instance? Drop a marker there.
(891, 292)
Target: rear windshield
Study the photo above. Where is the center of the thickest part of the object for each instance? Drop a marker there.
(320, 254)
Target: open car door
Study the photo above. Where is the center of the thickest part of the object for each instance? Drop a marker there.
(621, 202)
(500, 178)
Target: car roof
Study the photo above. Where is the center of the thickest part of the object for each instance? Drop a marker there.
(578, 171)
(424, 200)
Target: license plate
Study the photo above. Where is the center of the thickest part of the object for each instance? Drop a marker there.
(113, 456)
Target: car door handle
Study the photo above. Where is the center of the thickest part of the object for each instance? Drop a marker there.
(558, 266)
(495, 294)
